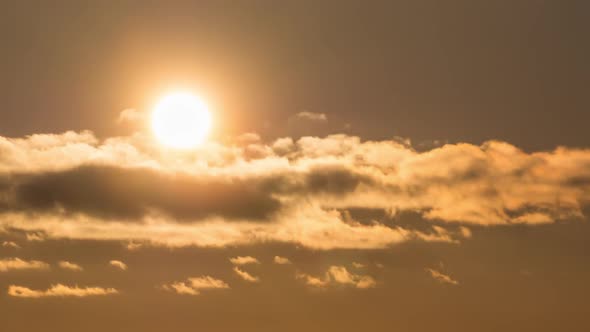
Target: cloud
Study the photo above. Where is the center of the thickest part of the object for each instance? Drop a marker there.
(339, 275)
(243, 260)
(35, 237)
(193, 286)
(357, 265)
(76, 186)
(441, 277)
(310, 227)
(10, 244)
(118, 264)
(8, 264)
(59, 290)
(313, 281)
(312, 116)
(114, 192)
(281, 260)
(245, 275)
(132, 117)
(70, 266)
(132, 246)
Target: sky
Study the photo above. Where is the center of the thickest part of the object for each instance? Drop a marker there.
(377, 165)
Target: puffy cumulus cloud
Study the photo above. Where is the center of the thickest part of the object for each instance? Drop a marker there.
(118, 264)
(245, 275)
(8, 264)
(281, 260)
(74, 185)
(193, 286)
(338, 275)
(59, 290)
(441, 277)
(70, 266)
(243, 260)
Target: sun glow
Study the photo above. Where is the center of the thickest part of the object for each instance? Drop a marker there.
(181, 121)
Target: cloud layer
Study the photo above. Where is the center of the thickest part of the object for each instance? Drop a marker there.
(73, 185)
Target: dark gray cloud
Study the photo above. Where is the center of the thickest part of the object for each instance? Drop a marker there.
(112, 192)
(130, 193)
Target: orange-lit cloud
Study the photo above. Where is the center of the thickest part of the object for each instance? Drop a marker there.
(59, 290)
(8, 264)
(70, 266)
(339, 275)
(281, 260)
(245, 275)
(243, 260)
(294, 191)
(193, 286)
(118, 264)
(441, 277)
(10, 244)
(312, 116)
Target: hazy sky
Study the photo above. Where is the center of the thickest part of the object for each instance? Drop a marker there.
(372, 166)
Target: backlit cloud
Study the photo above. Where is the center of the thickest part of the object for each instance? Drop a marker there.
(293, 191)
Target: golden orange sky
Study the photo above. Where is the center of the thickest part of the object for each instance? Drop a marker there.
(295, 166)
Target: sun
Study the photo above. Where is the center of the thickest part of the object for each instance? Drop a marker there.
(181, 121)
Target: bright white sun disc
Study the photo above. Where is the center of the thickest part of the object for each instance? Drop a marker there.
(181, 121)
